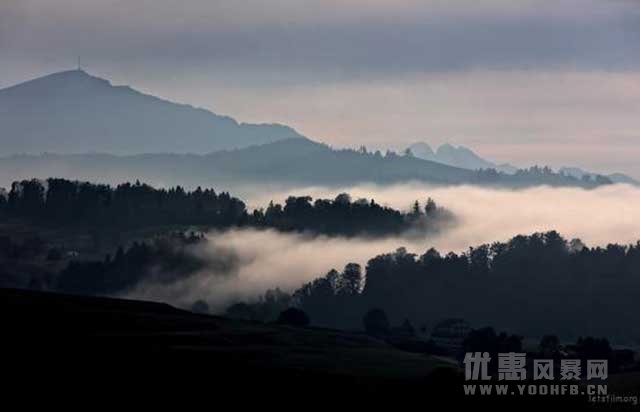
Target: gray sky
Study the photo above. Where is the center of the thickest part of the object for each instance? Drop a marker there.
(522, 81)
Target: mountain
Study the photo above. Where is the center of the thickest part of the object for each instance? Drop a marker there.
(75, 112)
(622, 178)
(614, 177)
(458, 157)
(465, 158)
(461, 157)
(289, 162)
(422, 150)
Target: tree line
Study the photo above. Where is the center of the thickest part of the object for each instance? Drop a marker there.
(163, 260)
(536, 175)
(130, 206)
(530, 285)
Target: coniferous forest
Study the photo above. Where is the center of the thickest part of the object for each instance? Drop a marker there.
(508, 284)
(129, 206)
(515, 285)
(133, 233)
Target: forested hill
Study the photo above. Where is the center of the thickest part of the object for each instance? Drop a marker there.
(130, 206)
(531, 285)
(290, 162)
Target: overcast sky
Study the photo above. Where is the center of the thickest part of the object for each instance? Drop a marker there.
(523, 81)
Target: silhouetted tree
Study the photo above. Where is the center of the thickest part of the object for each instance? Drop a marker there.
(164, 260)
(415, 211)
(430, 208)
(131, 206)
(530, 284)
(350, 282)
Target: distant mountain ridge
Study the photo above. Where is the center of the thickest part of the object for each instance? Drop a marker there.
(458, 157)
(465, 158)
(614, 177)
(76, 116)
(290, 162)
(75, 112)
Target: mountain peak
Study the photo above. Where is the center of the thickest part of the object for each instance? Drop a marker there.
(55, 83)
(421, 150)
(74, 111)
(72, 72)
(451, 155)
(77, 74)
(445, 148)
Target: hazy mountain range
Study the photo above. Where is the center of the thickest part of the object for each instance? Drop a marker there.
(77, 126)
(457, 156)
(614, 177)
(465, 158)
(296, 161)
(291, 162)
(74, 112)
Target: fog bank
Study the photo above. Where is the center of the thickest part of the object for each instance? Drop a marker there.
(268, 259)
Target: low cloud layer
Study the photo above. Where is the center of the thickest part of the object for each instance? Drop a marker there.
(267, 259)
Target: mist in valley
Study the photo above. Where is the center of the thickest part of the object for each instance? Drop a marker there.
(265, 259)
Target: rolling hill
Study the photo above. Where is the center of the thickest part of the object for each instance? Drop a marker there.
(110, 345)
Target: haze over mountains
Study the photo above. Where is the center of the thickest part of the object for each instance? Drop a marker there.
(297, 161)
(292, 162)
(75, 112)
(614, 177)
(76, 126)
(465, 158)
(457, 156)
